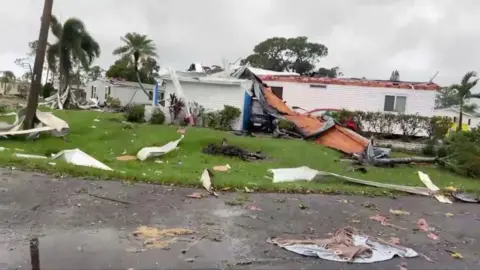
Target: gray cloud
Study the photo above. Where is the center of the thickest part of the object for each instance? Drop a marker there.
(365, 38)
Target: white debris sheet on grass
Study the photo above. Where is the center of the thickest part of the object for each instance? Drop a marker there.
(433, 188)
(308, 174)
(346, 246)
(44, 121)
(80, 158)
(151, 152)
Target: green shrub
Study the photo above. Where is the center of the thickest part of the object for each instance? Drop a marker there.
(211, 119)
(3, 108)
(227, 115)
(158, 118)
(135, 114)
(114, 102)
(462, 152)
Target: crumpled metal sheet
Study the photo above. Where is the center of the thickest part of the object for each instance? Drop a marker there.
(45, 121)
(80, 158)
(150, 152)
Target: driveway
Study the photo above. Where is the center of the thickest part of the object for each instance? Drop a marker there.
(76, 230)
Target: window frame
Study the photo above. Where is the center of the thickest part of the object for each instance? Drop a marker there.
(395, 97)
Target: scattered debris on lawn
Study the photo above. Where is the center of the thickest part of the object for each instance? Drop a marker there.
(80, 158)
(207, 181)
(433, 188)
(399, 212)
(449, 214)
(403, 266)
(150, 152)
(378, 156)
(384, 221)
(126, 158)
(44, 121)
(157, 238)
(29, 156)
(302, 206)
(195, 195)
(347, 245)
(231, 151)
(423, 226)
(222, 168)
(305, 173)
(466, 197)
(247, 190)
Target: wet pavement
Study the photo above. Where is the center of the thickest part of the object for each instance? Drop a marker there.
(49, 223)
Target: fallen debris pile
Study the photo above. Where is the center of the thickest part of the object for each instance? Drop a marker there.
(44, 121)
(347, 245)
(232, 151)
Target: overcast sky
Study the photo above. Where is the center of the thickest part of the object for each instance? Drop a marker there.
(365, 37)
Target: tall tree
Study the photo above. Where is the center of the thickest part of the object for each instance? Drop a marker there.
(36, 83)
(137, 47)
(448, 97)
(28, 61)
(395, 76)
(124, 69)
(74, 44)
(294, 54)
(464, 93)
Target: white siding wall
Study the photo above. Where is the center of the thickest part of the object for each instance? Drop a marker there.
(474, 121)
(353, 97)
(211, 96)
(124, 94)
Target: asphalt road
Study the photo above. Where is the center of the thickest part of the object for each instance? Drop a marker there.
(75, 230)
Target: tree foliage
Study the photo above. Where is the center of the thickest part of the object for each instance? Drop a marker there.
(328, 72)
(124, 69)
(464, 93)
(94, 73)
(139, 49)
(395, 76)
(292, 54)
(74, 45)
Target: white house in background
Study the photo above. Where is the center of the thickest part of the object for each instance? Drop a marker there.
(469, 120)
(101, 89)
(212, 92)
(355, 94)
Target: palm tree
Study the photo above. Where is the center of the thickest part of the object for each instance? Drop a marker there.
(464, 93)
(137, 47)
(74, 44)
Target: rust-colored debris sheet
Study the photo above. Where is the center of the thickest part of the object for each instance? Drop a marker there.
(323, 131)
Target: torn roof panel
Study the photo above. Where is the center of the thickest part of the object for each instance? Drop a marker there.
(354, 82)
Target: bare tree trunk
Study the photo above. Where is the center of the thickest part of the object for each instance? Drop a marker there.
(46, 77)
(460, 117)
(36, 84)
(141, 85)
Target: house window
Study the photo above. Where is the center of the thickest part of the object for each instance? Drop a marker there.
(277, 91)
(318, 86)
(150, 95)
(395, 104)
(162, 98)
(454, 119)
(93, 93)
(108, 91)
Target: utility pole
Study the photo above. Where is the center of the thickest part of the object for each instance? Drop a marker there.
(36, 83)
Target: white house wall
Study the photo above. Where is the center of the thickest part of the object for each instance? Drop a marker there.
(123, 93)
(353, 97)
(211, 96)
(474, 121)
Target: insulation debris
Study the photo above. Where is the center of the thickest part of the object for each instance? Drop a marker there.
(207, 181)
(29, 156)
(80, 158)
(126, 158)
(346, 245)
(151, 152)
(222, 168)
(157, 238)
(433, 188)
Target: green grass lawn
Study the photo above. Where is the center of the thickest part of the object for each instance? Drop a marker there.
(184, 166)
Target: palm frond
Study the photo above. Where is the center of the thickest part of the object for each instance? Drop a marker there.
(53, 52)
(122, 50)
(466, 78)
(475, 95)
(56, 27)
